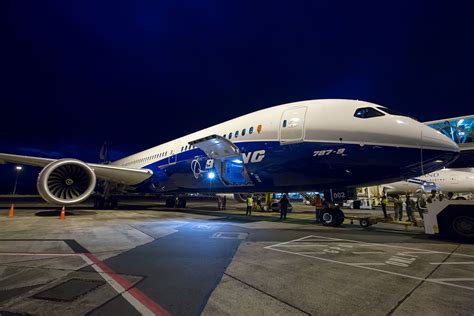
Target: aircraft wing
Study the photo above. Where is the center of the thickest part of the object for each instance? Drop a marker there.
(128, 176)
(216, 146)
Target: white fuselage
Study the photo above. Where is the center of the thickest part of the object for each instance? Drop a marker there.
(323, 121)
(444, 180)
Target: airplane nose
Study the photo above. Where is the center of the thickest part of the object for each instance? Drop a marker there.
(433, 139)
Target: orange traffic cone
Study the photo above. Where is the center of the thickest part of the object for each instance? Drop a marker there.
(63, 213)
(11, 213)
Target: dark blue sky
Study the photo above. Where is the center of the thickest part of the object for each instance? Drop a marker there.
(138, 73)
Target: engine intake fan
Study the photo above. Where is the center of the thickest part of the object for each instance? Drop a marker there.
(66, 182)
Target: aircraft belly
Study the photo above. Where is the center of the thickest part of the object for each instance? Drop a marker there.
(303, 166)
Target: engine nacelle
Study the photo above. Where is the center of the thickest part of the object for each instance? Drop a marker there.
(66, 182)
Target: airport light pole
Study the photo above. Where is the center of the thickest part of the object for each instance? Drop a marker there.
(12, 207)
(18, 170)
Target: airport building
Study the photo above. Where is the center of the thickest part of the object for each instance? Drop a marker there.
(459, 129)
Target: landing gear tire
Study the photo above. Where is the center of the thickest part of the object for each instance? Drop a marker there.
(457, 223)
(364, 222)
(332, 217)
(181, 202)
(462, 227)
(170, 202)
(113, 202)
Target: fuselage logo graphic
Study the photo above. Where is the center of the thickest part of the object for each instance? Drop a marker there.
(253, 157)
(196, 168)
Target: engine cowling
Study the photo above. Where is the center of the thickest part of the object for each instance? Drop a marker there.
(66, 182)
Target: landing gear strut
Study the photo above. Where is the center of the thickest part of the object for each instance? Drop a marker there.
(101, 202)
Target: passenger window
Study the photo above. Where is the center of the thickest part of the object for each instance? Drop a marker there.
(236, 134)
(251, 130)
(224, 135)
(230, 135)
(284, 123)
(243, 132)
(364, 113)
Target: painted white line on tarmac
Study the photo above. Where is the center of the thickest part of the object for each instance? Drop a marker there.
(141, 302)
(37, 254)
(366, 252)
(374, 269)
(465, 262)
(345, 245)
(287, 242)
(133, 295)
(454, 279)
(422, 252)
(313, 253)
(302, 245)
(369, 264)
(367, 244)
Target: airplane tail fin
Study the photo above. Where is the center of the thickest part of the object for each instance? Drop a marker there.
(104, 154)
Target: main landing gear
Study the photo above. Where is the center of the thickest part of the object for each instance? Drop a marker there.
(101, 202)
(332, 217)
(179, 202)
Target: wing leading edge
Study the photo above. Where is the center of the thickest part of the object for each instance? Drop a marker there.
(127, 176)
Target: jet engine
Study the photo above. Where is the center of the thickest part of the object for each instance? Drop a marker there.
(66, 181)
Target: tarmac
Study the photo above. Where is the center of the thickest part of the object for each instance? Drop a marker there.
(144, 259)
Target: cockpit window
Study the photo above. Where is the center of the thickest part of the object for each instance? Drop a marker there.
(393, 112)
(367, 113)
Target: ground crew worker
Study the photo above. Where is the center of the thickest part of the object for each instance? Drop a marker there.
(432, 197)
(410, 208)
(421, 205)
(398, 207)
(259, 202)
(384, 205)
(219, 202)
(249, 205)
(284, 206)
(224, 202)
(318, 203)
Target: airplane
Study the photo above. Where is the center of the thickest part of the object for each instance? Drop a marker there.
(296, 147)
(444, 180)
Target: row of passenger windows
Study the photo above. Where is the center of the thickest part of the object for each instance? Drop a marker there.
(184, 148)
(188, 147)
(243, 133)
(142, 160)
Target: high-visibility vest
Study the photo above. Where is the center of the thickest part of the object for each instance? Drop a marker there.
(249, 201)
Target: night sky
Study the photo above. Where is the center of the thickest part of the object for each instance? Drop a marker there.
(138, 73)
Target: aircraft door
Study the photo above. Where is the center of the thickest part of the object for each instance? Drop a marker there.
(292, 126)
(172, 159)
